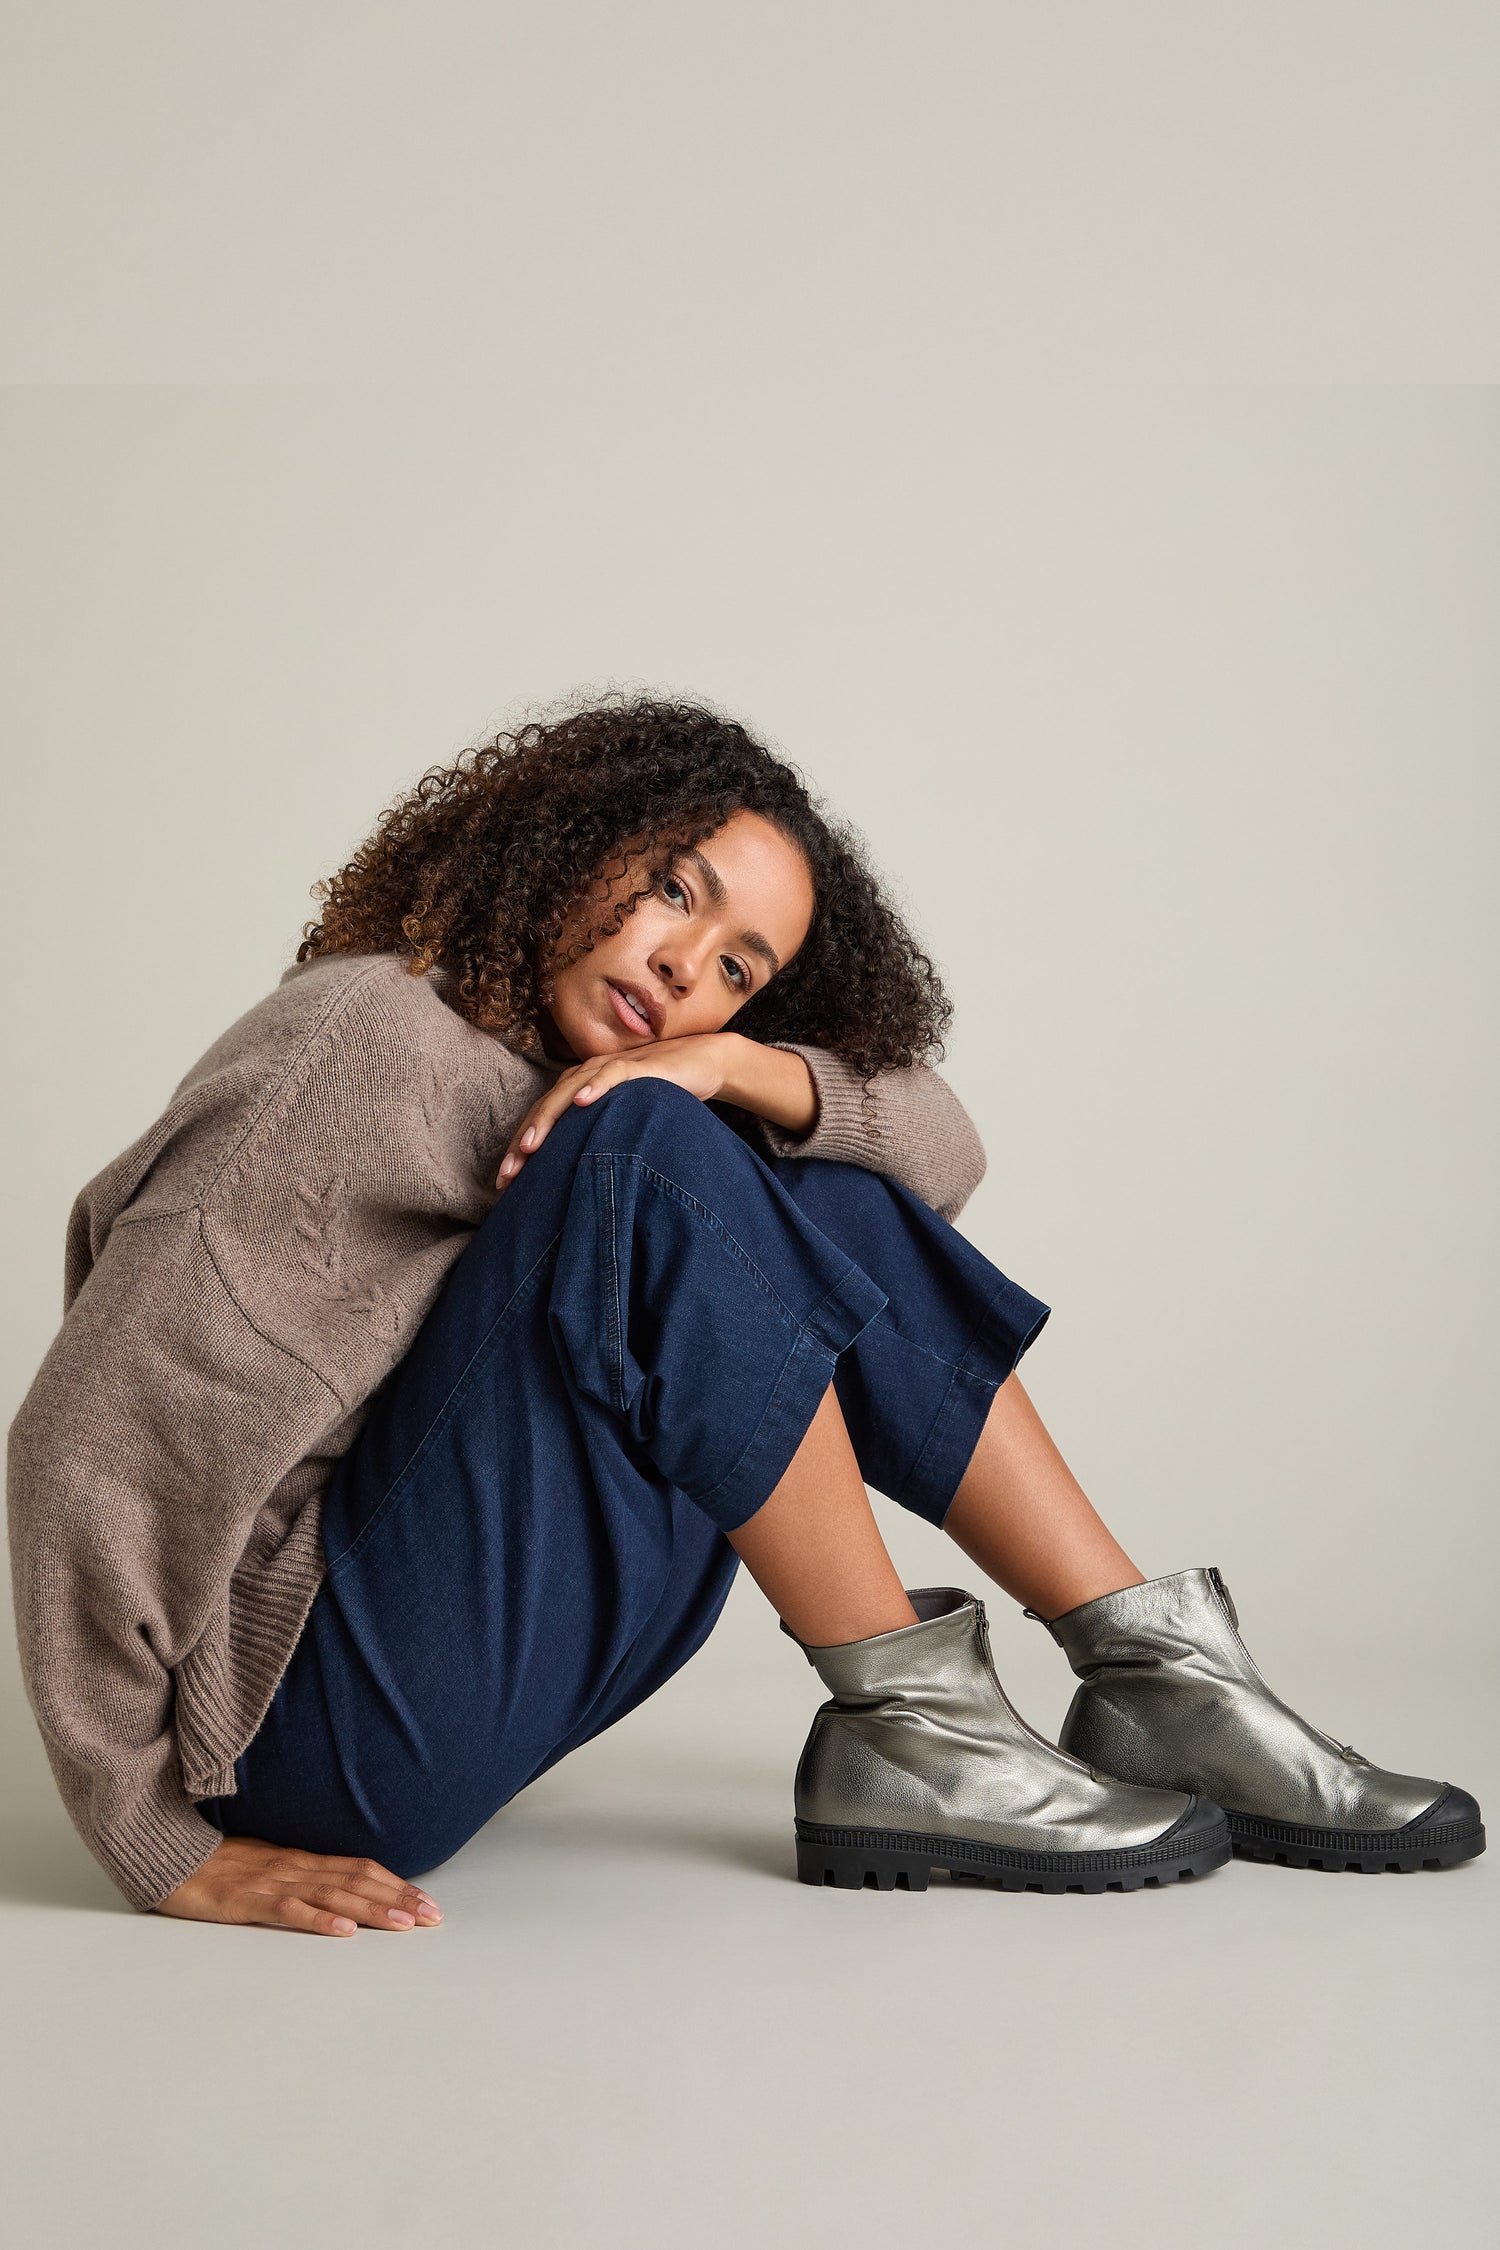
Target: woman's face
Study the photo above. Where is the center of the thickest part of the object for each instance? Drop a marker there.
(733, 911)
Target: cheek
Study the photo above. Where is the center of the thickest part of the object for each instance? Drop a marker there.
(604, 960)
(711, 1011)
(626, 951)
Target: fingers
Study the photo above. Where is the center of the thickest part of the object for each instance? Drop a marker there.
(516, 1155)
(296, 1914)
(247, 1879)
(363, 1871)
(543, 1115)
(337, 1896)
(339, 1908)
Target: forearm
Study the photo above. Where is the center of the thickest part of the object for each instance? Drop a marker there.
(770, 1082)
(907, 1123)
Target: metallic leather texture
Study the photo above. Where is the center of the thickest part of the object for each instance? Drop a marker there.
(1172, 1698)
(921, 1736)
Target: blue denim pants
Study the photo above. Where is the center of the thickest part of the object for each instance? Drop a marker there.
(527, 1536)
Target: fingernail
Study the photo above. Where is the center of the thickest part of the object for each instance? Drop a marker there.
(578, 1097)
(343, 1925)
(528, 1136)
(399, 1914)
(427, 1912)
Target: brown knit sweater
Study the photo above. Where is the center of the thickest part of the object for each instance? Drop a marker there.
(237, 1283)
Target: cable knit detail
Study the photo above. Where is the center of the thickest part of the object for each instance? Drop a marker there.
(236, 1285)
(313, 1221)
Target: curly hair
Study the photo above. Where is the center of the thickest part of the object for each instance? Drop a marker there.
(478, 866)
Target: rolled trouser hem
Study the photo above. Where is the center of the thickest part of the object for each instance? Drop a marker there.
(1013, 1319)
(805, 1375)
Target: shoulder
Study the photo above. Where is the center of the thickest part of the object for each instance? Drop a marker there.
(340, 1040)
(379, 1057)
(392, 1042)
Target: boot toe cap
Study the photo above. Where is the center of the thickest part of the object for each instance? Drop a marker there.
(1455, 1809)
(1200, 1818)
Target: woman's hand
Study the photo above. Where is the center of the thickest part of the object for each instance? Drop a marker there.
(705, 1063)
(248, 1881)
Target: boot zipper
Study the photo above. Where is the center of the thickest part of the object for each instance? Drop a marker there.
(1024, 1724)
(1216, 1579)
(1216, 1576)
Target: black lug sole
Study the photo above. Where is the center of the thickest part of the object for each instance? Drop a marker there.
(1355, 1851)
(893, 1859)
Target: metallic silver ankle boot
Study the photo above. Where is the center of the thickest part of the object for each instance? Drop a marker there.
(920, 1761)
(1171, 1698)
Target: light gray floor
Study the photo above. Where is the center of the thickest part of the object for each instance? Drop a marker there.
(635, 2028)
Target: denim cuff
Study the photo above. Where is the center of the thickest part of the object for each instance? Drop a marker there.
(1013, 1319)
(831, 1326)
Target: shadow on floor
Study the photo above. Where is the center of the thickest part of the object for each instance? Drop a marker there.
(601, 1832)
(43, 1864)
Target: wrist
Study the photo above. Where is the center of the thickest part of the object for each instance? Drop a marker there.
(770, 1082)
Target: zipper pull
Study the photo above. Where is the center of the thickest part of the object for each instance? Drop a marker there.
(1217, 1577)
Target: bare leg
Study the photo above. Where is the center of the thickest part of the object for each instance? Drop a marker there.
(814, 1548)
(1020, 1513)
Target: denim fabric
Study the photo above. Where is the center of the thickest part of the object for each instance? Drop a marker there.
(527, 1536)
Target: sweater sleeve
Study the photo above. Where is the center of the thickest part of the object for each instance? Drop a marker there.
(911, 1126)
(156, 1425)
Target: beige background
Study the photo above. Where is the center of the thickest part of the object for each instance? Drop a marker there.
(812, 367)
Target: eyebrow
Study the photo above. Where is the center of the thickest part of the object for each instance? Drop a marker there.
(713, 883)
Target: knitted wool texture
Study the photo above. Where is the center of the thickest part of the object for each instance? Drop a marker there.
(237, 1284)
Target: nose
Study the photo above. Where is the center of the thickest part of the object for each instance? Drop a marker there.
(680, 964)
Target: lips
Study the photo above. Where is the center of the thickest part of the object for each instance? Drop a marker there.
(638, 1000)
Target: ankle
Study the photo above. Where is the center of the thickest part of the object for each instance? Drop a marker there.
(834, 1622)
(1060, 1595)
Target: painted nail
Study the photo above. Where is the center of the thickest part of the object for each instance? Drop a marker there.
(528, 1136)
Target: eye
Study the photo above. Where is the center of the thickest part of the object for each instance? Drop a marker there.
(739, 975)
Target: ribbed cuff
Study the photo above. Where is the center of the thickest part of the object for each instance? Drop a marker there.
(844, 1127)
(225, 1684)
(156, 1847)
